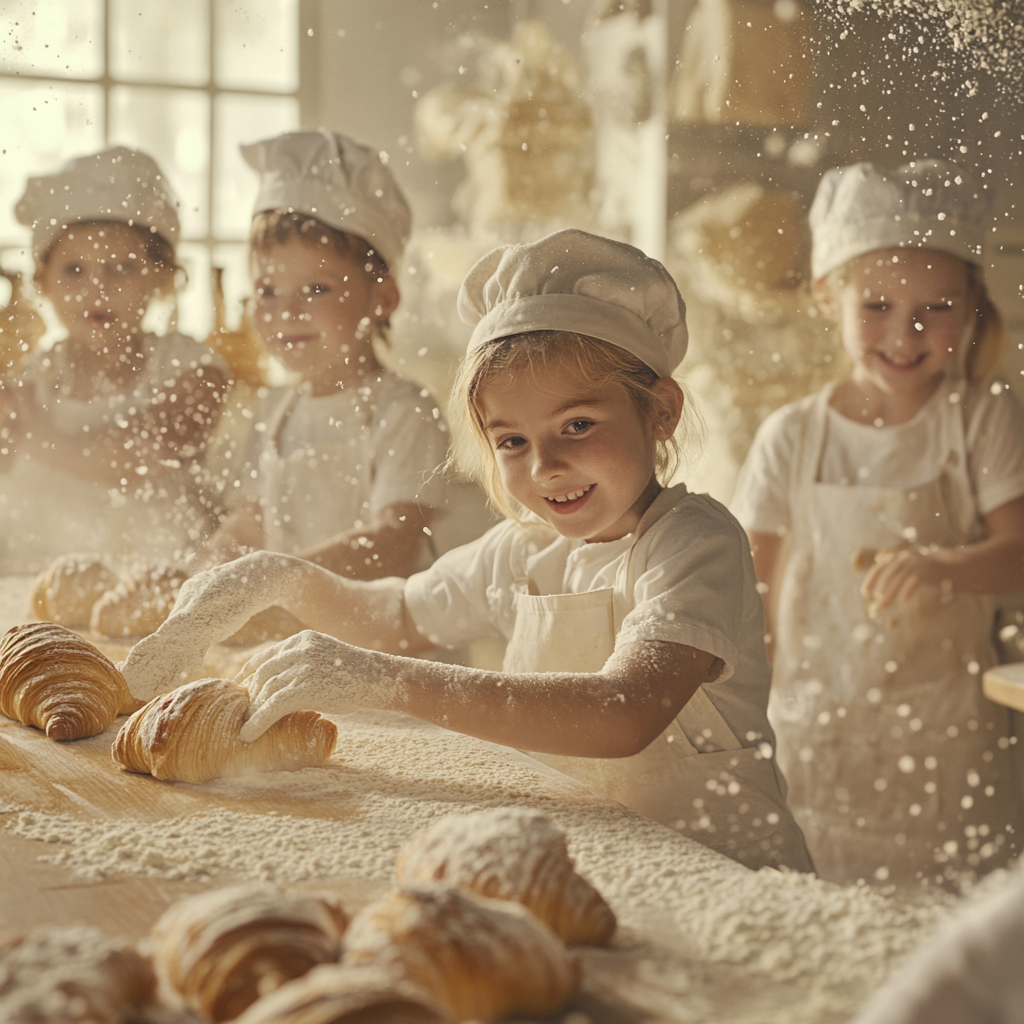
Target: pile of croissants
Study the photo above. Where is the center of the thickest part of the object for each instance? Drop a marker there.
(475, 929)
(55, 680)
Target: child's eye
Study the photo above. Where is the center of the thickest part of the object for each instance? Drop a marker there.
(72, 269)
(315, 289)
(940, 307)
(876, 307)
(509, 444)
(579, 426)
(265, 292)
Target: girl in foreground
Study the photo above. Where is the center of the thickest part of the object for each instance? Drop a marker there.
(106, 424)
(635, 656)
(911, 469)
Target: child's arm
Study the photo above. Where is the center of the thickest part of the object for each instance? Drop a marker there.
(766, 549)
(612, 713)
(139, 444)
(391, 546)
(994, 565)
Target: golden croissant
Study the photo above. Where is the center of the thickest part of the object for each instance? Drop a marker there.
(55, 680)
(60, 975)
(481, 958)
(510, 854)
(347, 995)
(68, 588)
(221, 951)
(191, 735)
(138, 605)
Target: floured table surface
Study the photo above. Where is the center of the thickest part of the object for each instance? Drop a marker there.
(700, 937)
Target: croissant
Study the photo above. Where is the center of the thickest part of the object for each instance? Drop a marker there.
(138, 605)
(68, 588)
(63, 975)
(481, 958)
(57, 681)
(510, 854)
(347, 995)
(222, 950)
(191, 735)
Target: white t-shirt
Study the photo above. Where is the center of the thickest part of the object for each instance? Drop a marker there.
(695, 585)
(46, 512)
(337, 461)
(902, 456)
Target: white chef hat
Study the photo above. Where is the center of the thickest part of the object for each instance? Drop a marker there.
(927, 204)
(117, 184)
(336, 180)
(574, 281)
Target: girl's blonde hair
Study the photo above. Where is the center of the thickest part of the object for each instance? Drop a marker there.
(987, 341)
(278, 227)
(598, 362)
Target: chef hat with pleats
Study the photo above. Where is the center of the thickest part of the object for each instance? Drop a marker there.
(926, 204)
(574, 281)
(336, 180)
(117, 184)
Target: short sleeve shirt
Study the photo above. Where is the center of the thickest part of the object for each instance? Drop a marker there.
(694, 585)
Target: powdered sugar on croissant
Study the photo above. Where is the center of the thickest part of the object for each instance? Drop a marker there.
(510, 854)
(482, 958)
(218, 952)
(347, 995)
(191, 735)
(57, 681)
(72, 975)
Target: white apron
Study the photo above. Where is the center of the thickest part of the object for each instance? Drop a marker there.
(731, 795)
(301, 493)
(898, 767)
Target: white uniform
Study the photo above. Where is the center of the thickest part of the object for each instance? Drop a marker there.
(46, 512)
(898, 767)
(685, 577)
(322, 465)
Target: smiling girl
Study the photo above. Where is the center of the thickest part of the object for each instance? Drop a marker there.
(910, 468)
(635, 658)
(339, 467)
(108, 423)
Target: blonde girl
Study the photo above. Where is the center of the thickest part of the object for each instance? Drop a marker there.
(882, 513)
(339, 467)
(635, 657)
(108, 423)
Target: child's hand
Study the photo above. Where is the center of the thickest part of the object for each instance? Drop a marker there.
(308, 672)
(896, 574)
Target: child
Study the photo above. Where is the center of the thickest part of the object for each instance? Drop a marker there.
(108, 423)
(340, 466)
(912, 465)
(636, 657)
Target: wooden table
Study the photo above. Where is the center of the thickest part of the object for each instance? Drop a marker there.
(1004, 684)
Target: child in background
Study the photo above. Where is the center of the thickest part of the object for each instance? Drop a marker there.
(912, 468)
(339, 467)
(109, 422)
(635, 657)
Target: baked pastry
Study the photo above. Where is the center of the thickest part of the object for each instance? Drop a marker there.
(510, 854)
(347, 995)
(191, 735)
(139, 604)
(65, 591)
(74, 975)
(220, 951)
(481, 958)
(59, 682)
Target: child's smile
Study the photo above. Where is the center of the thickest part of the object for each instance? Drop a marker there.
(576, 455)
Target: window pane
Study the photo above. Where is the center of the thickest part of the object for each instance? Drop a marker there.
(44, 125)
(173, 126)
(241, 119)
(160, 42)
(63, 38)
(257, 44)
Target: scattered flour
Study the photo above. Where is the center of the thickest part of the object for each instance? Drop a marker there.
(812, 944)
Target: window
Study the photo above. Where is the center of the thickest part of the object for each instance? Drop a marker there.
(186, 81)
